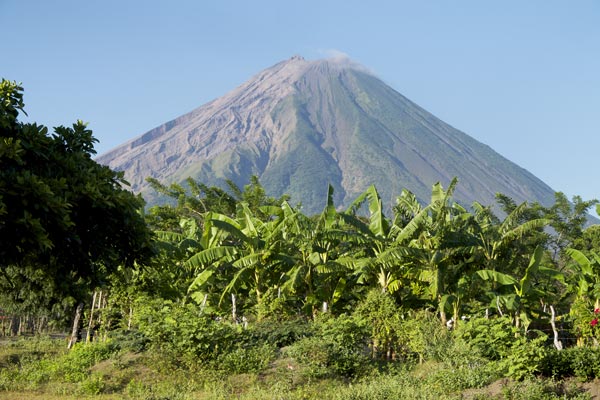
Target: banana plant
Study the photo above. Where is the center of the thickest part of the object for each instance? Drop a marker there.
(323, 256)
(585, 285)
(526, 291)
(378, 263)
(247, 252)
(441, 247)
(495, 241)
(588, 284)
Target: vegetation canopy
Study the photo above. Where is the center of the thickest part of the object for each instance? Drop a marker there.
(66, 222)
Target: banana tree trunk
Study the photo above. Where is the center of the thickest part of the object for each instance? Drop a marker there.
(75, 330)
(131, 315)
(233, 308)
(88, 334)
(557, 343)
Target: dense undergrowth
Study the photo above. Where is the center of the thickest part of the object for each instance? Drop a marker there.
(197, 357)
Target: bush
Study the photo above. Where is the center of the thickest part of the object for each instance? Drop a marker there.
(182, 331)
(381, 312)
(586, 363)
(424, 337)
(130, 340)
(581, 362)
(245, 360)
(338, 347)
(278, 333)
(493, 338)
(74, 365)
(526, 358)
(558, 364)
(93, 385)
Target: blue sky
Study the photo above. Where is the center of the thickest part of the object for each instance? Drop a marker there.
(520, 76)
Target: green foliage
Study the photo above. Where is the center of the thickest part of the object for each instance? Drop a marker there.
(568, 219)
(242, 359)
(182, 331)
(71, 367)
(130, 340)
(423, 337)
(582, 313)
(492, 338)
(274, 307)
(558, 364)
(585, 362)
(539, 390)
(93, 385)
(338, 347)
(497, 339)
(580, 362)
(458, 379)
(65, 220)
(525, 358)
(381, 313)
(278, 333)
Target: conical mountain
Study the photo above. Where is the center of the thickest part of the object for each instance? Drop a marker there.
(301, 125)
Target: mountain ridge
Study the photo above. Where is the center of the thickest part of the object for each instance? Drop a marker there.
(301, 125)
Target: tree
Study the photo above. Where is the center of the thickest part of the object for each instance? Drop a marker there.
(568, 220)
(66, 222)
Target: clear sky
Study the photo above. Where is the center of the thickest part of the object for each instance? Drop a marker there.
(520, 76)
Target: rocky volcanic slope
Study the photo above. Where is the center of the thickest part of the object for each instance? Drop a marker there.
(301, 125)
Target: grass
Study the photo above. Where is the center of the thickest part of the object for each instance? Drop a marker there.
(41, 368)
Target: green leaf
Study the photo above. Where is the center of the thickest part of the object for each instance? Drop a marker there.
(582, 260)
(172, 237)
(201, 279)
(209, 256)
(531, 270)
(495, 276)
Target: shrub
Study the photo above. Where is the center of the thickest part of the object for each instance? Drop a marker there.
(581, 362)
(338, 348)
(182, 331)
(74, 365)
(130, 340)
(493, 338)
(424, 337)
(278, 333)
(245, 360)
(92, 385)
(558, 364)
(381, 312)
(526, 358)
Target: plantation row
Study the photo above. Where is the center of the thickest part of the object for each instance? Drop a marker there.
(248, 255)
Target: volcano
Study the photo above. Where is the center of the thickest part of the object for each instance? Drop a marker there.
(301, 125)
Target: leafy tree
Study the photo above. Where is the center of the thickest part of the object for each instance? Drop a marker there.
(568, 220)
(65, 220)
